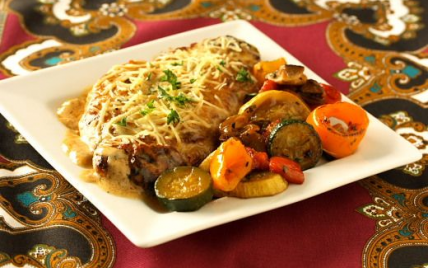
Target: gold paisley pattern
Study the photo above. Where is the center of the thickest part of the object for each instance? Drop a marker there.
(42, 202)
(43, 256)
(401, 217)
(401, 214)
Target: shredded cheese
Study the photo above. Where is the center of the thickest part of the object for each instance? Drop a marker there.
(133, 100)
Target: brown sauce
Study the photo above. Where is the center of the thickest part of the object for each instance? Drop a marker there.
(77, 150)
(80, 154)
(132, 191)
(70, 112)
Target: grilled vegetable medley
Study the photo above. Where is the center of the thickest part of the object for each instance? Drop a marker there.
(278, 133)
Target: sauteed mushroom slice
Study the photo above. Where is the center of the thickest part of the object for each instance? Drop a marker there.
(288, 75)
(312, 92)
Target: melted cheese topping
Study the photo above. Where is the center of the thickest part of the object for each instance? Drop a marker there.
(177, 92)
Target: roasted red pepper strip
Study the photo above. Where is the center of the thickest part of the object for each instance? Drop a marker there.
(269, 128)
(268, 85)
(260, 159)
(287, 168)
(332, 95)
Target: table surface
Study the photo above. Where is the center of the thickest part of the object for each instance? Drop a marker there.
(375, 53)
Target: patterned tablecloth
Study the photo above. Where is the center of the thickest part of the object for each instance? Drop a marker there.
(375, 51)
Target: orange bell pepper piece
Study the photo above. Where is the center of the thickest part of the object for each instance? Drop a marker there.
(341, 127)
(262, 68)
(230, 164)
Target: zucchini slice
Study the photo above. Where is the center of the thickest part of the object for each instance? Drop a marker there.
(296, 140)
(259, 184)
(184, 188)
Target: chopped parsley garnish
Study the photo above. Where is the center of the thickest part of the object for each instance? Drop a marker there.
(146, 111)
(171, 78)
(151, 104)
(149, 77)
(122, 122)
(182, 99)
(177, 63)
(150, 107)
(192, 80)
(243, 76)
(164, 94)
(172, 117)
(222, 64)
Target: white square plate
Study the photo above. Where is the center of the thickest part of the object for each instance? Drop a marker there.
(30, 102)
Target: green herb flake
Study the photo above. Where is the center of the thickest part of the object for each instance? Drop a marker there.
(172, 117)
(222, 63)
(219, 68)
(150, 107)
(122, 122)
(151, 104)
(193, 80)
(243, 76)
(177, 63)
(182, 99)
(149, 77)
(164, 94)
(171, 78)
(146, 111)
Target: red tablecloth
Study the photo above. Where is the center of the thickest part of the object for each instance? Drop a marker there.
(375, 52)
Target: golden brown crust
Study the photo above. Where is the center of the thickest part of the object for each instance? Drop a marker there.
(130, 107)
